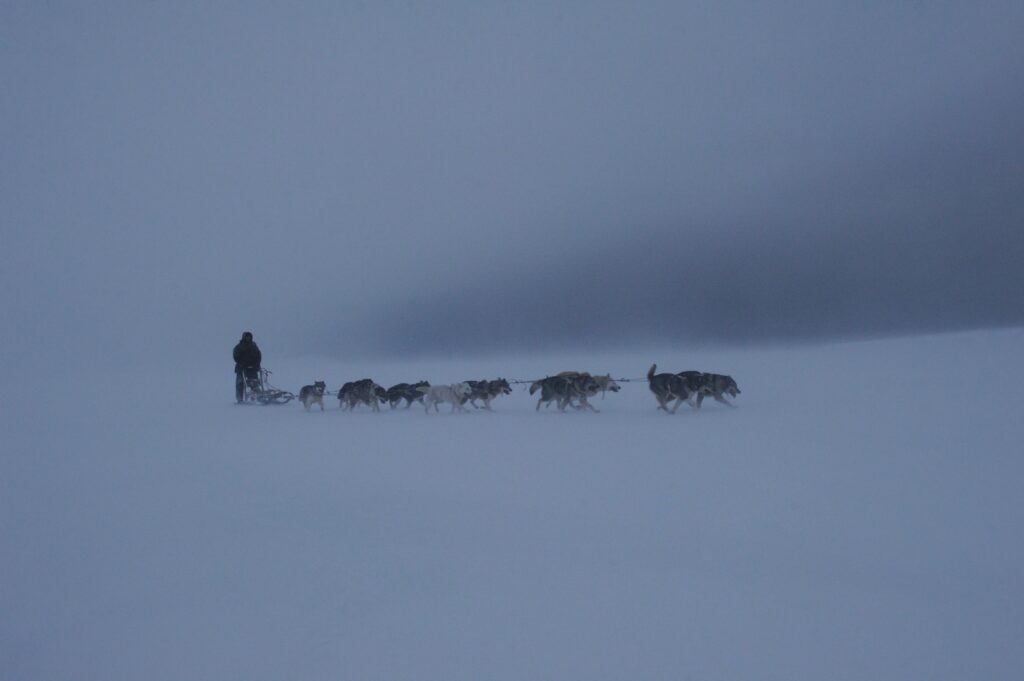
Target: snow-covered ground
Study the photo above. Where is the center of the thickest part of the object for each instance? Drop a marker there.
(858, 516)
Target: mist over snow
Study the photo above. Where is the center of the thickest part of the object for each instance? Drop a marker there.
(824, 200)
(856, 516)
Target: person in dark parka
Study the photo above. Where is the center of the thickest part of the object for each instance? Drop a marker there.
(247, 363)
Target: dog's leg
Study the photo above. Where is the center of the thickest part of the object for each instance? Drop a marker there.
(720, 398)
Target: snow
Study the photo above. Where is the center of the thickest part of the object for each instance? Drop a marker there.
(856, 517)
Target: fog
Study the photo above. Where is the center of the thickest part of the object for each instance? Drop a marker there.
(399, 177)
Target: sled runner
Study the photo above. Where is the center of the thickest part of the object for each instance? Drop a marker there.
(258, 390)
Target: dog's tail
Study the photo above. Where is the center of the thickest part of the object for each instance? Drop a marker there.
(650, 372)
(534, 387)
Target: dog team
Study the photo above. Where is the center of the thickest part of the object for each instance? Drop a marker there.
(566, 389)
(366, 391)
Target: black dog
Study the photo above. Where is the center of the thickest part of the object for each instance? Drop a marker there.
(667, 387)
(405, 391)
(364, 391)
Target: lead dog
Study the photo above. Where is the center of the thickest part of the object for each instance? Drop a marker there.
(313, 394)
(667, 387)
(717, 386)
(363, 391)
(691, 386)
(433, 395)
(487, 391)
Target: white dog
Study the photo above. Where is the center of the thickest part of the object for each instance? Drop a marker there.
(456, 394)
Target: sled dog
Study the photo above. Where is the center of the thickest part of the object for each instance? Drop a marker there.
(604, 383)
(363, 391)
(405, 391)
(313, 394)
(667, 387)
(456, 394)
(487, 391)
(562, 390)
(717, 386)
(691, 386)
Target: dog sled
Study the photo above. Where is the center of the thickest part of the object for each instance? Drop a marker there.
(258, 389)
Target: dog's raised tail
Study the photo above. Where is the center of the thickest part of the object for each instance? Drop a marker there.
(650, 372)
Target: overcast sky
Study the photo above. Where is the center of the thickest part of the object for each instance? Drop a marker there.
(457, 176)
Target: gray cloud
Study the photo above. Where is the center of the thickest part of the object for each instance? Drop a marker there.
(899, 212)
(398, 176)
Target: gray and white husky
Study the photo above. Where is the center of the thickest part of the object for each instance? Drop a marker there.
(313, 394)
(562, 390)
(487, 391)
(604, 383)
(718, 386)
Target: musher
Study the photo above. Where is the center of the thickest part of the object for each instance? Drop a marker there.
(247, 363)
